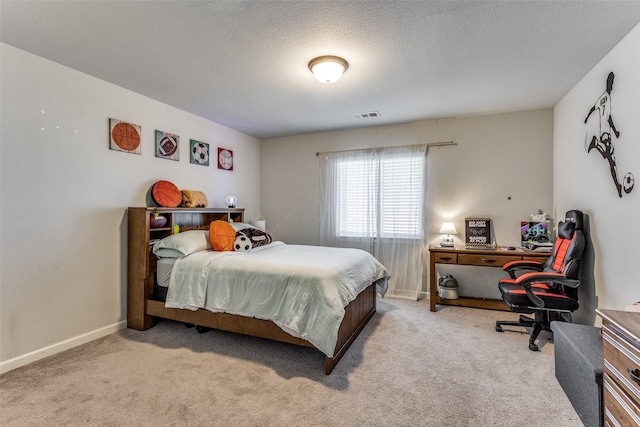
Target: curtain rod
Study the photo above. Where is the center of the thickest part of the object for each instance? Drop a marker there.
(431, 144)
(441, 144)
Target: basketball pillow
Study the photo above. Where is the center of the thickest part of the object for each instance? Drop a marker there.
(166, 194)
(222, 236)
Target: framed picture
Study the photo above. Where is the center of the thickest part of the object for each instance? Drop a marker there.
(477, 232)
(124, 136)
(225, 159)
(199, 153)
(167, 145)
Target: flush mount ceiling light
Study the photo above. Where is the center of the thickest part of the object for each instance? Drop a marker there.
(328, 69)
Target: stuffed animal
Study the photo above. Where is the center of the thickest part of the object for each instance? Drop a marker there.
(242, 243)
(221, 235)
(193, 199)
(256, 236)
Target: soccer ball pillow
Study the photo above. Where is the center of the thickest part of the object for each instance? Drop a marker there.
(255, 236)
(242, 243)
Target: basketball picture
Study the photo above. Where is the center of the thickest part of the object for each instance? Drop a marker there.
(225, 159)
(167, 145)
(124, 136)
(199, 153)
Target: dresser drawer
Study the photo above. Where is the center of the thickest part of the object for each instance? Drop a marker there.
(445, 258)
(488, 259)
(618, 405)
(623, 360)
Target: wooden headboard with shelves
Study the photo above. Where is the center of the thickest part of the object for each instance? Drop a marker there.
(142, 262)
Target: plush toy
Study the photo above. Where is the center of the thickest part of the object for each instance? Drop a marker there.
(256, 236)
(222, 235)
(193, 199)
(242, 243)
(165, 194)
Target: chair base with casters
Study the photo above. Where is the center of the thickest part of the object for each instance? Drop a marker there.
(552, 303)
(541, 322)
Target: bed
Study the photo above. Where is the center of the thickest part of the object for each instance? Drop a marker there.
(149, 300)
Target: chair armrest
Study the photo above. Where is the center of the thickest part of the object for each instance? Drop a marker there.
(514, 267)
(527, 279)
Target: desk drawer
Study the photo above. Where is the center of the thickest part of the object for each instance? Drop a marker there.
(619, 408)
(488, 259)
(623, 360)
(445, 258)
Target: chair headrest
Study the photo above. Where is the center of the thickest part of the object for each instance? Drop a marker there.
(566, 229)
(576, 217)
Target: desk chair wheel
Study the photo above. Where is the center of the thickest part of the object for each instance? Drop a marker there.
(533, 347)
(499, 328)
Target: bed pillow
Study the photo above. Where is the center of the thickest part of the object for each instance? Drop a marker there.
(241, 226)
(182, 244)
(221, 235)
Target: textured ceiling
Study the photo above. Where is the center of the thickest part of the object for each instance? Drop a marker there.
(244, 63)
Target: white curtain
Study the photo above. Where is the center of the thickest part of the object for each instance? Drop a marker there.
(375, 200)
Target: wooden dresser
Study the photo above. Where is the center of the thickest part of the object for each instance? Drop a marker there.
(621, 352)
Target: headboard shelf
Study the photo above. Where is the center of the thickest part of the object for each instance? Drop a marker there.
(141, 262)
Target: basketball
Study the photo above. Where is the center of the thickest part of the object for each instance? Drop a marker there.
(166, 194)
(221, 236)
(125, 136)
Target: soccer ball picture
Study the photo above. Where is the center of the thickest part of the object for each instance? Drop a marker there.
(242, 244)
(199, 153)
(628, 182)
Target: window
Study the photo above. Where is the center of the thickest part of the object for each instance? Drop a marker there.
(374, 200)
(380, 196)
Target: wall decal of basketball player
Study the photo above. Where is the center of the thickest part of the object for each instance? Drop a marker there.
(602, 141)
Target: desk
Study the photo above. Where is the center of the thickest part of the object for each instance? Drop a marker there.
(462, 255)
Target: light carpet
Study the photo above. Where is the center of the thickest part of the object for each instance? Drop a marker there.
(409, 367)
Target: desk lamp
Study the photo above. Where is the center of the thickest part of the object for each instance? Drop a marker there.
(447, 228)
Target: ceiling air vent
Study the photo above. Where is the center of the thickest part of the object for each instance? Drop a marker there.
(371, 114)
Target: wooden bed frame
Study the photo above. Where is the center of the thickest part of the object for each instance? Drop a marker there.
(143, 310)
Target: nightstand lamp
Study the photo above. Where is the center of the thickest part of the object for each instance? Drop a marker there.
(447, 228)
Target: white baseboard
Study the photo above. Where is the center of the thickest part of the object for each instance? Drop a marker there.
(34, 356)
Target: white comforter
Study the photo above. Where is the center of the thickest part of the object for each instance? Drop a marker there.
(303, 289)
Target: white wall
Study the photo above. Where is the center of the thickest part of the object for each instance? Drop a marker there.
(497, 157)
(64, 195)
(582, 180)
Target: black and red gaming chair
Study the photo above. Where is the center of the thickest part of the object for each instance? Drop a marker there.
(549, 291)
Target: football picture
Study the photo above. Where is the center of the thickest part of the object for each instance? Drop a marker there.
(167, 145)
(199, 153)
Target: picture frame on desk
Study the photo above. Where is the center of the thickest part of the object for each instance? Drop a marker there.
(477, 233)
